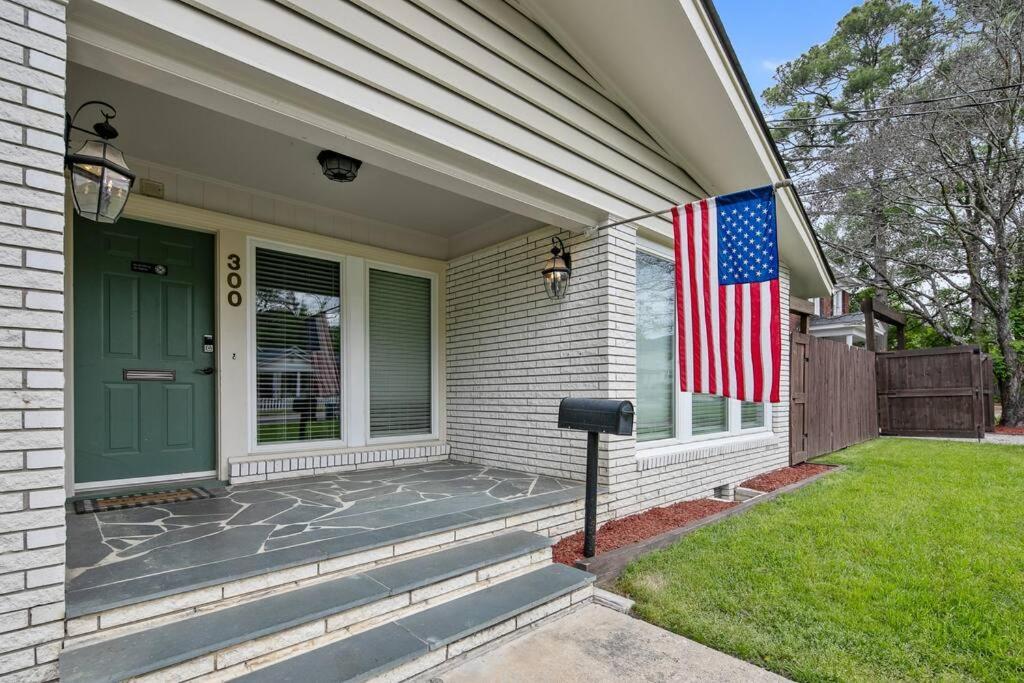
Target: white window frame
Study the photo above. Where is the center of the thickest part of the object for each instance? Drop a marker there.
(354, 278)
(435, 428)
(250, 326)
(682, 400)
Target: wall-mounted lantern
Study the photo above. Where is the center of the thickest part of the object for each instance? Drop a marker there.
(557, 270)
(100, 179)
(338, 167)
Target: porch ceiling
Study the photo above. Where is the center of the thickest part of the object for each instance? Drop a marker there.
(159, 130)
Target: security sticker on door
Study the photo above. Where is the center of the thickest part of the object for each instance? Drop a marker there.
(207, 343)
(154, 268)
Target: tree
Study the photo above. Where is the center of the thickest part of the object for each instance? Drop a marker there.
(906, 130)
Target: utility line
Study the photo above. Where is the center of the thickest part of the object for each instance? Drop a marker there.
(835, 124)
(872, 110)
(905, 176)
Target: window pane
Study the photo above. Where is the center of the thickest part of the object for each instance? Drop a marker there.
(655, 340)
(298, 348)
(751, 415)
(400, 354)
(710, 414)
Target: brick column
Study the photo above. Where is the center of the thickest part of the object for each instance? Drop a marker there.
(32, 75)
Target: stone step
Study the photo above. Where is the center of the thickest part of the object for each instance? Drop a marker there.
(324, 611)
(120, 605)
(411, 645)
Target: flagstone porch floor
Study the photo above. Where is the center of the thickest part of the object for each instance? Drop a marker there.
(125, 556)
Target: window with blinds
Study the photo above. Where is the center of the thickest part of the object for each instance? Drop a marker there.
(751, 415)
(298, 348)
(661, 408)
(400, 352)
(655, 341)
(710, 414)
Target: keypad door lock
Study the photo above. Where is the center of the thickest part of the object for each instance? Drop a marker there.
(207, 343)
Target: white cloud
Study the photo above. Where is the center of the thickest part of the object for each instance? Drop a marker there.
(770, 65)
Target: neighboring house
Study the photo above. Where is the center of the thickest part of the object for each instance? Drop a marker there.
(177, 344)
(838, 317)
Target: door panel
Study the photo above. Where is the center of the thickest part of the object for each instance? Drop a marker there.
(128, 317)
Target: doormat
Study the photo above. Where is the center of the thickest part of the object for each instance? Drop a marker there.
(137, 500)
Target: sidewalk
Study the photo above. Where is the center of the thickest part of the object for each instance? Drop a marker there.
(597, 645)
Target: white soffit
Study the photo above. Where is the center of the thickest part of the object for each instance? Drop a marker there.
(663, 61)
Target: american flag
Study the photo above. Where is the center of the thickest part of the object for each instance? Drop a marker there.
(727, 296)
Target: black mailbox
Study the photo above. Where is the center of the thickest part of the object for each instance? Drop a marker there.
(605, 416)
(594, 416)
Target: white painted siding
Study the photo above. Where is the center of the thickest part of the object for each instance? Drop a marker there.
(475, 77)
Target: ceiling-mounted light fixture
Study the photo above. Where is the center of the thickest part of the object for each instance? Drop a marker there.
(338, 167)
(100, 179)
(557, 270)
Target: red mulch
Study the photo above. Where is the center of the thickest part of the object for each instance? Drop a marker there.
(626, 530)
(1016, 431)
(776, 479)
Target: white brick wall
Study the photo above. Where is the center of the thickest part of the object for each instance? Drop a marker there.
(512, 355)
(32, 33)
(245, 470)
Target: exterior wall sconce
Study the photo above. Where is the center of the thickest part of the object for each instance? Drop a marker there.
(557, 270)
(100, 179)
(338, 167)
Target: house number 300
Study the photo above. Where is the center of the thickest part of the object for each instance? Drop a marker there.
(234, 280)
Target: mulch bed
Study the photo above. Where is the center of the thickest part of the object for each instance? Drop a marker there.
(1015, 431)
(776, 479)
(641, 526)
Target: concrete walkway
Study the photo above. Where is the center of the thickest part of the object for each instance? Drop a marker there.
(597, 645)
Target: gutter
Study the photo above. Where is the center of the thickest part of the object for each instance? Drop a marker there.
(734, 62)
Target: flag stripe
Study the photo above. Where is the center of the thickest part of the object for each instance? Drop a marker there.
(776, 342)
(756, 358)
(709, 312)
(742, 332)
(682, 307)
(695, 327)
(729, 354)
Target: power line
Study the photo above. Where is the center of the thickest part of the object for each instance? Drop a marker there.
(836, 124)
(872, 110)
(905, 176)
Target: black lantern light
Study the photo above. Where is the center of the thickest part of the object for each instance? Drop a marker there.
(338, 167)
(557, 270)
(100, 179)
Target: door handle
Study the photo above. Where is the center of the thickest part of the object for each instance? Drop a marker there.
(206, 371)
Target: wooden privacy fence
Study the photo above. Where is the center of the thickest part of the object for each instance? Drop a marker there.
(832, 396)
(935, 392)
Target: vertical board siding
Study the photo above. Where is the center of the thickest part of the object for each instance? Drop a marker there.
(837, 406)
(935, 392)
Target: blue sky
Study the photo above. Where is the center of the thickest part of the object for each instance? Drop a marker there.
(766, 33)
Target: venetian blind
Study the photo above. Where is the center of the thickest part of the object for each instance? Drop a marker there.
(710, 414)
(298, 348)
(751, 415)
(400, 354)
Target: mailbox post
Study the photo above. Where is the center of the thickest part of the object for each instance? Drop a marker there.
(594, 416)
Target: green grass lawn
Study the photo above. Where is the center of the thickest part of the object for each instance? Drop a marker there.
(909, 565)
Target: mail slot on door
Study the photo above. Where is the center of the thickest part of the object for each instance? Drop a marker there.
(606, 416)
(147, 375)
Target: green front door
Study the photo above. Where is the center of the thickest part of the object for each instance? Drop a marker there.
(144, 384)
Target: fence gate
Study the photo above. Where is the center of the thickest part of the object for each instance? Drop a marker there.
(832, 396)
(935, 392)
